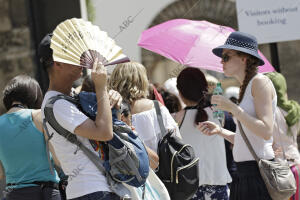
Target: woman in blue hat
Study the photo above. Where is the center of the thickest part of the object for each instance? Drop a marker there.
(255, 111)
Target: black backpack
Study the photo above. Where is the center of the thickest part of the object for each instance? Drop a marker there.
(178, 166)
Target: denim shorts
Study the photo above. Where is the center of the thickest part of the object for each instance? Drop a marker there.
(103, 195)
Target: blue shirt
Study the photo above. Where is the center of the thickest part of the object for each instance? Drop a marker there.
(23, 150)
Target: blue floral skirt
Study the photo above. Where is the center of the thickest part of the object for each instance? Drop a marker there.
(211, 192)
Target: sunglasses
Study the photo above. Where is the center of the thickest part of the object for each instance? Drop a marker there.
(225, 57)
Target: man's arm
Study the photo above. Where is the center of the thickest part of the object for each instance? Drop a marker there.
(101, 128)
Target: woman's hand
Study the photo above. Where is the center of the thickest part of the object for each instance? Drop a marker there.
(115, 99)
(209, 128)
(223, 103)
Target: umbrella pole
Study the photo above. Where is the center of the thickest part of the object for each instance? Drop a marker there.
(274, 56)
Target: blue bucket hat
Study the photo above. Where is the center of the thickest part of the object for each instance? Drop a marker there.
(240, 41)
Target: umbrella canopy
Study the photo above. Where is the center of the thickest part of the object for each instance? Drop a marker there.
(190, 43)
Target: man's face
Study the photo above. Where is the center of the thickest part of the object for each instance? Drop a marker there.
(70, 72)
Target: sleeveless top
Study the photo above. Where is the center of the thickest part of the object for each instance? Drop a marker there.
(23, 150)
(147, 126)
(263, 148)
(209, 149)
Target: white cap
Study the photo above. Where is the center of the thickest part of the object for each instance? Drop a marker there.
(211, 79)
(171, 86)
(232, 92)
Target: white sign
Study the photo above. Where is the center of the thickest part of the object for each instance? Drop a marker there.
(270, 20)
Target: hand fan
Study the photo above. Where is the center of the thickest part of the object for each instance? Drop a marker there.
(78, 42)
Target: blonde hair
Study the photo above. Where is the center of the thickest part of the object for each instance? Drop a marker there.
(130, 80)
(211, 82)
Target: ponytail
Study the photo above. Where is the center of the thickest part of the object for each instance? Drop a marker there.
(201, 115)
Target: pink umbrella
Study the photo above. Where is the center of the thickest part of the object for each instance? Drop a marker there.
(190, 43)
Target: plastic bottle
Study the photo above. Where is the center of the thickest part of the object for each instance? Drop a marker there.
(218, 114)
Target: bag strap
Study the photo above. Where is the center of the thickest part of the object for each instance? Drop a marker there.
(247, 142)
(250, 146)
(160, 119)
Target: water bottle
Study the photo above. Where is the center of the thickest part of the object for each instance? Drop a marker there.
(218, 114)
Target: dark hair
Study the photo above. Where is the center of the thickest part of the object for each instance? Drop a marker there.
(125, 109)
(251, 70)
(45, 52)
(151, 95)
(234, 100)
(47, 63)
(88, 84)
(171, 101)
(192, 85)
(23, 89)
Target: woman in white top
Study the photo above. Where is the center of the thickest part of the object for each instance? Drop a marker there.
(130, 80)
(256, 111)
(213, 173)
(287, 127)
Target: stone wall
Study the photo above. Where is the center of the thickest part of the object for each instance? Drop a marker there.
(290, 66)
(16, 52)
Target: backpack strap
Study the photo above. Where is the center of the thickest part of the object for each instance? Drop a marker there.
(160, 119)
(47, 146)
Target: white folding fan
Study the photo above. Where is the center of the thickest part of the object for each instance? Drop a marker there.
(78, 42)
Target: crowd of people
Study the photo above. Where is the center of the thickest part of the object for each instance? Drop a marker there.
(30, 157)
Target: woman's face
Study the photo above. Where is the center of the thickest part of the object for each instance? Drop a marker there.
(233, 64)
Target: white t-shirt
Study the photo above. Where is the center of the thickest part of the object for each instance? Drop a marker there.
(263, 148)
(147, 126)
(209, 149)
(84, 177)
